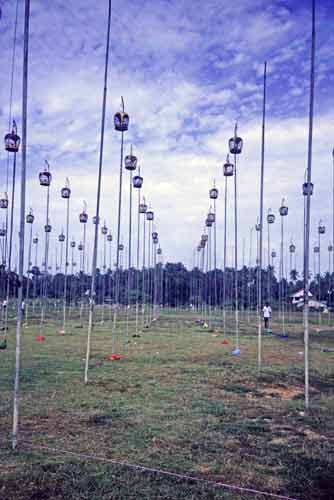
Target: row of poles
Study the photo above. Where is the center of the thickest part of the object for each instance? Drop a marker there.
(286, 272)
(12, 144)
(121, 124)
(235, 148)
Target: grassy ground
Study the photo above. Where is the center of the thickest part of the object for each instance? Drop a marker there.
(177, 400)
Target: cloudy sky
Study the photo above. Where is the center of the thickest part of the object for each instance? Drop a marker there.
(187, 71)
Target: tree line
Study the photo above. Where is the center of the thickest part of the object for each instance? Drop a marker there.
(171, 285)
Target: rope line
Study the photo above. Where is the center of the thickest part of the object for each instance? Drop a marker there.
(143, 468)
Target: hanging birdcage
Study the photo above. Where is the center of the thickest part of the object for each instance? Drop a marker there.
(83, 217)
(211, 217)
(154, 235)
(308, 188)
(208, 223)
(45, 176)
(204, 237)
(121, 247)
(2, 231)
(257, 226)
(228, 167)
(150, 215)
(213, 193)
(159, 251)
(104, 229)
(4, 200)
(96, 219)
(35, 240)
(199, 248)
(155, 241)
(109, 237)
(330, 248)
(235, 143)
(316, 249)
(47, 228)
(72, 244)
(130, 162)
(61, 237)
(142, 208)
(292, 248)
(30, 218)
(270, 217)
(321, 228)
(66, 192)
(80, 247)
(12, 140)
(283, 210)
(121, 120)
(137, 181)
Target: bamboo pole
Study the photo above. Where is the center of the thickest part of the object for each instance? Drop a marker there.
(259, 349)
(96, 233)
(16, 395)
(307, 217)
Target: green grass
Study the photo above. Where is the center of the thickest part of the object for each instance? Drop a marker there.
(178, 401)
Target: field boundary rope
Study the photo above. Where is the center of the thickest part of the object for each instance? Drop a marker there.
(161, 472)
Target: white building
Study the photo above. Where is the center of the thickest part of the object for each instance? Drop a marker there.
(298, 297)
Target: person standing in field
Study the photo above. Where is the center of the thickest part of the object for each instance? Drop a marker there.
(266, 315)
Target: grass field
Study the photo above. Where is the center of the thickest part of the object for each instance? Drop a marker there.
(177, 401)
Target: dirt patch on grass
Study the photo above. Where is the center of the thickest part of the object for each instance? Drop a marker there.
(284, 393)
(280, 441)
(281, 392)
(313, 435)
(282, 357)
(287, 434)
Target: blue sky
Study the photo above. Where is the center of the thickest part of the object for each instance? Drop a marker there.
(187, 71)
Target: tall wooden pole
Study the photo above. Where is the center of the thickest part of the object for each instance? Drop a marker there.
(16, 398)
(96, 233)
(28, 277)
(332, 296)
(143, 300)
(138, 255)
(259, 349)
(224, 257)
(307, 217)
(237, 342)
(66, 258)
(117, 291)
